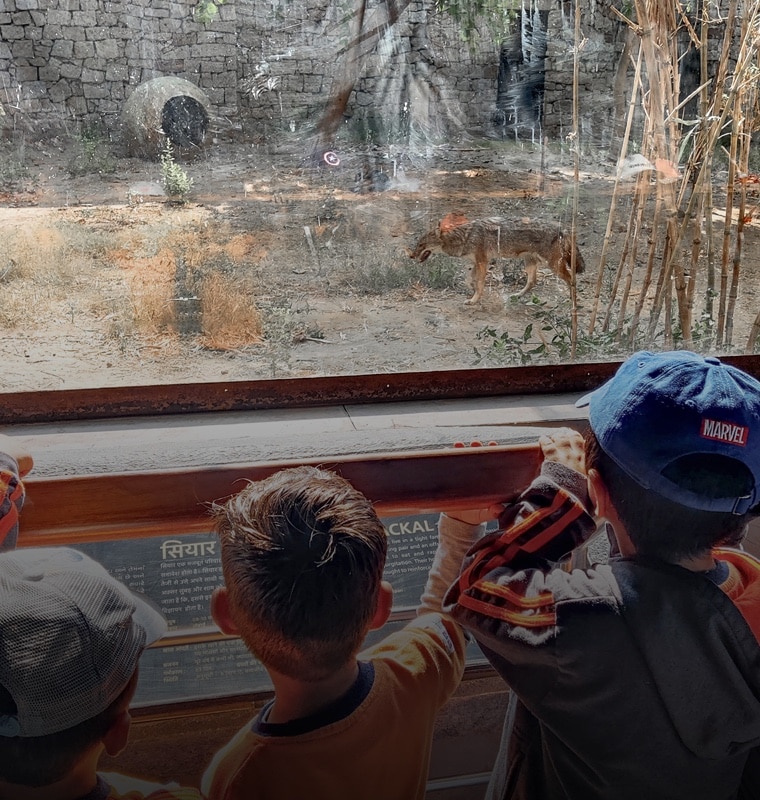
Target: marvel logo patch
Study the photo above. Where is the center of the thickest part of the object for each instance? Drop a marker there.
(724, 432)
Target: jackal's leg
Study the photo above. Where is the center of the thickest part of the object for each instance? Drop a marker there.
(478, 279)
(470, 276)
(531, 271)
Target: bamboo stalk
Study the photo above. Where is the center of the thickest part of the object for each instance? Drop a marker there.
(626, 293)
(696, 247)
(753, 334)
(702, 155)
(681, 210)
(645, 284)
(725, 250)
(745, 137)
(668, 330)
(746, 100)
(662, 289)
(707, 156)
(613, 201)
(663, 86)
(630, 248)
(628, 245)
(675, 233)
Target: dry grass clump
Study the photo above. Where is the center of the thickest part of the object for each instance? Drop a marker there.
(42, 275)
(136, 287)
(36, 253)
(16, 308)
(204, 245)
(168, 289)
(230, 318)
(245, 245)
(151, 287)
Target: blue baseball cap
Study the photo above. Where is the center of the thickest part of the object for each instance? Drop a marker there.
(660, 407)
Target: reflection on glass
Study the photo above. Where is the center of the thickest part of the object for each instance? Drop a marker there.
(201, 190)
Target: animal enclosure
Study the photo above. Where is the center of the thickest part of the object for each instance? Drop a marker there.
(266, 232)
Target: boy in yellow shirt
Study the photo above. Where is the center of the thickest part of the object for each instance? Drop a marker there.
(303, 555)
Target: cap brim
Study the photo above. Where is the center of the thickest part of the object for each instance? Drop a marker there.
(148, 615)
(585, 400)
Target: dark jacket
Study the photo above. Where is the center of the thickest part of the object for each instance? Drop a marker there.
(635, 680)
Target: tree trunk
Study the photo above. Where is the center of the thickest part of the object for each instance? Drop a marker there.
(365, 32)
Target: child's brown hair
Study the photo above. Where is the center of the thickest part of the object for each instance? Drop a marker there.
(303, 554)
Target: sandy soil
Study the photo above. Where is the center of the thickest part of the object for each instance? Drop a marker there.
(274, 268)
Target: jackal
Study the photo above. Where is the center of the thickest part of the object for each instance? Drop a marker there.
(485, 239)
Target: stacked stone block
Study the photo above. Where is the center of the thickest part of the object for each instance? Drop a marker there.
(602, 41)
(64, 61)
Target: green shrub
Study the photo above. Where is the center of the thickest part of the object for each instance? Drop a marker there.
(176, 181)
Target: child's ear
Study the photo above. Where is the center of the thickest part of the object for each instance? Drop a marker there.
(117, 735)
(604, 508)
(598, 494)
(220, 611)
(383, 607)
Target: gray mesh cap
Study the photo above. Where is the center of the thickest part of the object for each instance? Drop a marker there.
(70, 638)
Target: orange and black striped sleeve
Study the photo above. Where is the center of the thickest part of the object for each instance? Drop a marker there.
(503, 576)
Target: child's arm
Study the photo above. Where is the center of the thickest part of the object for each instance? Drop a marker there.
(563, 470)
(455, 537)
(14, 463)
(509, 576)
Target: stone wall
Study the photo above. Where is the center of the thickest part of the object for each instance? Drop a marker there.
(64, 61)
(421, 78)
(267, 67)
(602, 38)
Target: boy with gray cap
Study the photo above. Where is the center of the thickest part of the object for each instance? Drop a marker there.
(71, 637)
(638, 679)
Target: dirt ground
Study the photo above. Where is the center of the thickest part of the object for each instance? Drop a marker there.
(276, 268)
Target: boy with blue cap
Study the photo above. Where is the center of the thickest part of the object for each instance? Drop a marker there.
(638, 679)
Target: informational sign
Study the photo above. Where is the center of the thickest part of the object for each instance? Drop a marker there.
(179, 573)
(202, 670)
(411, 546)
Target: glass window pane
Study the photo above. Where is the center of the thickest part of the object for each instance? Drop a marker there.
(203, 191)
